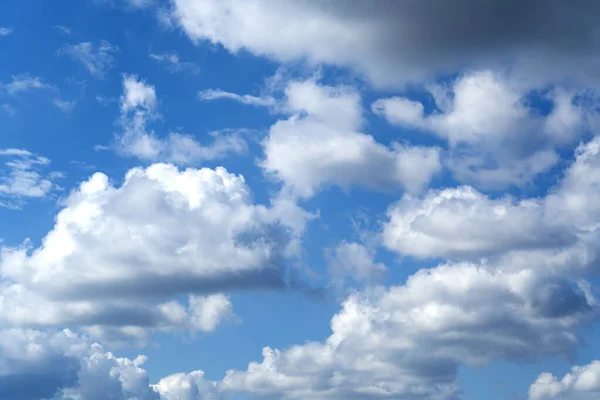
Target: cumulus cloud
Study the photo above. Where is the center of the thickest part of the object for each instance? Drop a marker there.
(582, 383)
(495, 138)
(65, 366)
(463, 223)
(403, 41)
(118, 254)
(97, 59)
(173, 64)
(139, 107)
(320, 145)
(22, 177)
(409, 340)
(5, 31)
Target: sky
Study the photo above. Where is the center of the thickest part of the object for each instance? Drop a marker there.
(299, 200)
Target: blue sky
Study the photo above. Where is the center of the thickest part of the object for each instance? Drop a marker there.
(298, 200)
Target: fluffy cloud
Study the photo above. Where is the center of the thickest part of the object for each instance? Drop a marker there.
(402, 41)
(582, 383)
(5, 31)
(139, 107)
(64, 366)
(463, 223)
(118, 253)
(408, 341)
(22, 177)
(495, 138)
(96, 59)
(319, 146)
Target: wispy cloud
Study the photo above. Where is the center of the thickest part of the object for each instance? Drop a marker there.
(21, 177)
(5, 31)
(218, 94)
(173, 64)
(7, 108)
(24, 83)
(96, 59)
(63, 29)
(105, 101)
(64, 105)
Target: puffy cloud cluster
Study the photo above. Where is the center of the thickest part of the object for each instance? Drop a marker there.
(409, 340)
(495, 138)
(139, 107)
(403, 41)
(61, 365)
(117, 254)
(320, 145)
(462, 223)
(582, 383)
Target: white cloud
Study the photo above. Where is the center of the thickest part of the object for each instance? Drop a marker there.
(174, 64)
(64, 105)
(25, 83)
(355, 261)
(21, 177)
(463, 223)
(217, 94)
(105, 101)
(400, 41)
(582, 383)
(7, 108)
(186, 386)
(139, 107)
(118, 254)
(96, 59)
(495, 139)
(319, 145)
(408, 341)
(5, 31)
(63, 29)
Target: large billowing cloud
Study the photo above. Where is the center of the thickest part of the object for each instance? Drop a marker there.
(398, 41)
(118, 253)
(408, 341)
(320, 145)
(496, 139)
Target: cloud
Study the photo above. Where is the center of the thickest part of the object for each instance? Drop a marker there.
(66, 366)
(319, 145)
(401, 41)
(118, 255)
(21, 177)
(582, 383)
(408, 341)
(63, 29)
(97, 59)
(463, 223)
(25, 83)
(139, 107)
(495, 138)
(217, 94)
(355, 261)
(173, 64)
(64, 105)
(5, 31)
(7, 108)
